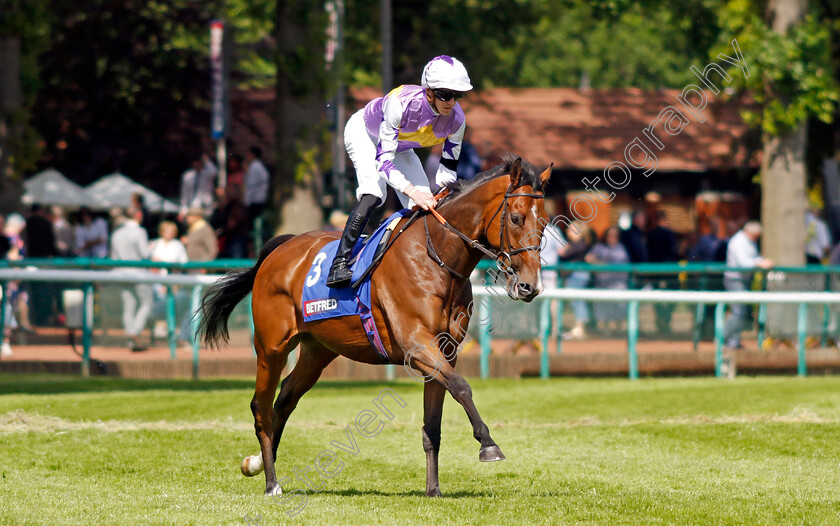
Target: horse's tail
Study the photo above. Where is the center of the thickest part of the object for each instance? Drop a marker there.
(221, 298)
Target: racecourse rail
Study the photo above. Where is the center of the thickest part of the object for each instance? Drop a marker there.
(56, 271)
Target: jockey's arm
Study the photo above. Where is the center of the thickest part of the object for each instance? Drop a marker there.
(386, 149)
(447, 169)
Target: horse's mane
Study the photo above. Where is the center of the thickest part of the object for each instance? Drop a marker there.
(530, 176)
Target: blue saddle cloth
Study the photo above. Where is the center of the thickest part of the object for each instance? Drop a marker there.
(321, 302)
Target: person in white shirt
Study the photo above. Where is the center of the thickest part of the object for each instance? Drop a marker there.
(742, 252)
(197, 185)
(256, 184)
(169, 249)
(551, 243)
(129, 242)
(817, 237)
(91, 236)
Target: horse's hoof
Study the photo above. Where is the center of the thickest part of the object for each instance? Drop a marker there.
(490, 454)
(434, 493)
(252, 465)
(276, 490)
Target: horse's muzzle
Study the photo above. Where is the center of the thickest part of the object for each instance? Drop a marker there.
(523, 292)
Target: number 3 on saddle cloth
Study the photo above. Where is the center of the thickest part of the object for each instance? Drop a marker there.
(321, 302)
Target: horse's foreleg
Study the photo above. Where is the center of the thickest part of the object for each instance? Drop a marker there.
(433, 396)
(434, 367)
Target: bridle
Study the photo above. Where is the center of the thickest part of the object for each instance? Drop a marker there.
(502, 257)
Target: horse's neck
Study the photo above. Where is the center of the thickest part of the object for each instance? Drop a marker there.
(470, 214)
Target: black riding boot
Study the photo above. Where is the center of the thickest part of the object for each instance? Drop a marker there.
(340, 272)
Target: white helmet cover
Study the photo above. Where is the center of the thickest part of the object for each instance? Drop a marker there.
(445, 72)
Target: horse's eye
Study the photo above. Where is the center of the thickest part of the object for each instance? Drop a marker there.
(517, 219)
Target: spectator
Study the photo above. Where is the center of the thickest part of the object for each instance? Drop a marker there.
(18, 296)
(834, 257)
(732, 227)
(129, 242)
(5, 244)
(742, 252)
(168, 249)
(469, 162)
(230, 221)
(91, 235)
(704, 250)
(336, 221)
(142, 214)
(551, 244)
(65, 236)
(40, 243)
(610, 251)
(201, 242)
(39, 234)
(575, 252)
(817, 238)
(662, 248)
(197, 185)
(202, 245)
(256, 185)
(236, 173)
(5, 248)
(633, 239)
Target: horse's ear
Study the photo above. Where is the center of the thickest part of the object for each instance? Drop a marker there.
(546, 174)
(515, 172)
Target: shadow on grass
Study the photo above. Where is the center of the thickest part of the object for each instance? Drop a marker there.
(60, 384)
(352, 492)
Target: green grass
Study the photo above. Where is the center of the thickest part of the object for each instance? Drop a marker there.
(593, 451)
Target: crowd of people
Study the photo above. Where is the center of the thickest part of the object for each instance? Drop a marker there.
(212, 222)
(734, 243)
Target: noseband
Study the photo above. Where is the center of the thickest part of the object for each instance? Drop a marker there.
(502, 257)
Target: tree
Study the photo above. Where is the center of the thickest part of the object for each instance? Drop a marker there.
(783, 175)
(300, 33)
(22, 37)
(789, 55)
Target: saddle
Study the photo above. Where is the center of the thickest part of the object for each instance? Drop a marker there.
(320, 302)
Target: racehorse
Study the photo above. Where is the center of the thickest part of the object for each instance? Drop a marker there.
(492, 215)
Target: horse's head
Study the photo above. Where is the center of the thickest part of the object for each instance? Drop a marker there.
(516, 229)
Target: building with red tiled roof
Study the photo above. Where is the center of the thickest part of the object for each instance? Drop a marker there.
(587, 130)
(582, 132)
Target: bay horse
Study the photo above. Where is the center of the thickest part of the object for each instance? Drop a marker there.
(489, 215)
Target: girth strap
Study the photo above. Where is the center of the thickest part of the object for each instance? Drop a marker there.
(372, 333)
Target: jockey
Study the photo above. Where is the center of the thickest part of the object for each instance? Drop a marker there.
(380, 140)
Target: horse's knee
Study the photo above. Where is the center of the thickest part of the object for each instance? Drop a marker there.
(459, 388)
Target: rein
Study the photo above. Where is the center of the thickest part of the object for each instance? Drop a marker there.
(498, 255)
(378, 258)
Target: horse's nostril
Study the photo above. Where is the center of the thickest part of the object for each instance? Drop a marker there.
(524, 287)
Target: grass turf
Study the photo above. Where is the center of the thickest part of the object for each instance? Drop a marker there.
(599, 451)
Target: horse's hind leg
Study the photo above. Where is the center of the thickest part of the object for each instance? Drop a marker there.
(269, 368)
(314, 357)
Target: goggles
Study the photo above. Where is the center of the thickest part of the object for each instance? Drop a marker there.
(446, 95)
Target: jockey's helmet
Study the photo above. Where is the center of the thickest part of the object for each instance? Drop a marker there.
(445, 72)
